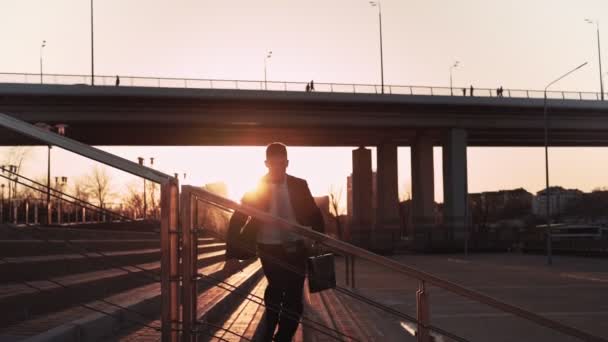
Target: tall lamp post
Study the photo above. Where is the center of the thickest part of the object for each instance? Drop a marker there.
(268, 55)
(599, 54)
(455, 65)
(141, 162)
(2, 205)
(547, 190)
(377, 4)
(60, 129)
(41, 50)
(92, 49)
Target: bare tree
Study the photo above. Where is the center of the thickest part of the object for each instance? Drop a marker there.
(16, 156)
(153, 198)
(98, 185)
(80, 191)
(133, 201)
(335, 195)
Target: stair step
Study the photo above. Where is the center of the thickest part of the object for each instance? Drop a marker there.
(23, 301)
(143, 299)
(23, 248)
(243, 321)
(213, 301)
(11, 232)
(55, 265)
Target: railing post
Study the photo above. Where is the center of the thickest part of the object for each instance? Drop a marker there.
(352, 271)
(169, 261)
(422, 313)
(27, 212)
(15, 206)
(35, 212)
(189, 257)
(580, 95)
(527, 93)
(346, 269)
(331, 87)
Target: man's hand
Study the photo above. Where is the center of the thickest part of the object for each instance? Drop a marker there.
(232, 266)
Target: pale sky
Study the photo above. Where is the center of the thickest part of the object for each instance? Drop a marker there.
(517, 44)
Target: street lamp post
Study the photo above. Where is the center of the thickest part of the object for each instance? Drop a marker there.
(455, 65)
(92, 49)
(268, 55)
(547, 190)
(41, 49)
(599, 54)
(2, 205)
(377, 4)
(60, 128)
(141, 162)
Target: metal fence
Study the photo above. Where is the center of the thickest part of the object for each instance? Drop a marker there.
(355, 88)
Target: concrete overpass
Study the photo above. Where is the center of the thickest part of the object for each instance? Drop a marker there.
(170, 116)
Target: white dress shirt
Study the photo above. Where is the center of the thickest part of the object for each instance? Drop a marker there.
(280, 206)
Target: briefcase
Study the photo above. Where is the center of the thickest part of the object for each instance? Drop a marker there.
(321, 273)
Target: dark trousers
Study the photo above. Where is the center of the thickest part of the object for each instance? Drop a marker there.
(284, 267)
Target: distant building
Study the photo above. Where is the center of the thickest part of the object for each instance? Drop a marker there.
(560, 198)
(494, 206)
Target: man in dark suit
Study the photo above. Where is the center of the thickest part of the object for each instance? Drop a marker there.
(283, 253)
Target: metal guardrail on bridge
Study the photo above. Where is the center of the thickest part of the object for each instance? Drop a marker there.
(356, 88)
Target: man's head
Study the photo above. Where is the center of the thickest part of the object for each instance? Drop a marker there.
(276, 161)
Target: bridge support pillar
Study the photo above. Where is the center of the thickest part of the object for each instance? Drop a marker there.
(455, 189)
(361, 224)
(387, 225)
(423, 193)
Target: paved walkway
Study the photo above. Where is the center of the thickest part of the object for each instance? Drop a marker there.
(574, 291)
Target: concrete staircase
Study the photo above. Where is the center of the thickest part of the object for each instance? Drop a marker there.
(60, 284)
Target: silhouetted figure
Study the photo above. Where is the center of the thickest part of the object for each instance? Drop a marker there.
(312, 85)
(307, 87)
(117, 80)
(283, 254)
(464, 91)
(471, 90)
(500, 91)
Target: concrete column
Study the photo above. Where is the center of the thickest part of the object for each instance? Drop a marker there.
(423, 192)
(361, 225)
(455, 189)
(387, 197)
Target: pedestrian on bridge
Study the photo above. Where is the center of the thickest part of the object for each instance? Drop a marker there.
(471, 91)
(117, 80)
(283, 254)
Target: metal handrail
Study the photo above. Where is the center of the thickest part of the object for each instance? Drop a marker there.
(169, 212)
(346, 248)
(109, 159)
(60, 194)
(332, 87)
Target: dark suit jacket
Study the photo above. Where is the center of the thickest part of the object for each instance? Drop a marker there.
(242, 233)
